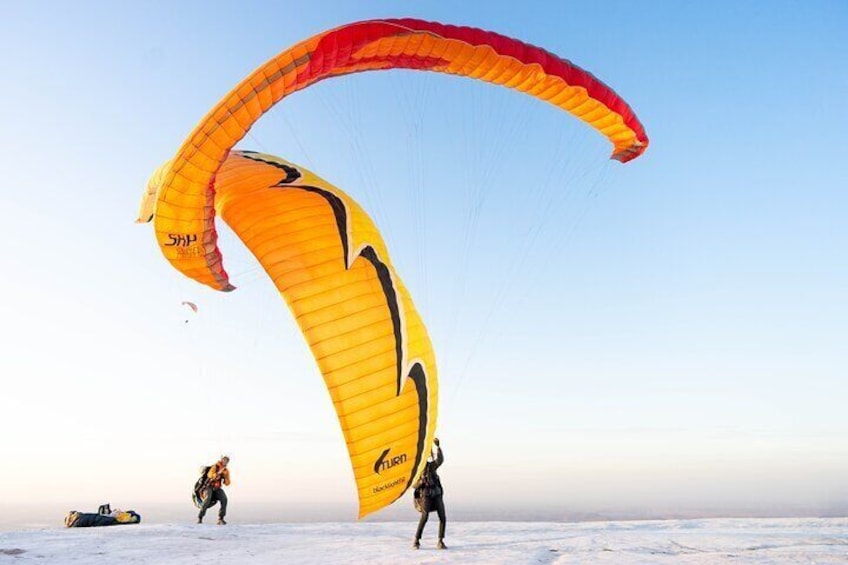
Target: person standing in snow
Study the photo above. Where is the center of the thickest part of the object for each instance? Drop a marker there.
(218, 474)
(428, 496)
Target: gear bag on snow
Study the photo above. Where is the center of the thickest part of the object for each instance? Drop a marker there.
(76, 519)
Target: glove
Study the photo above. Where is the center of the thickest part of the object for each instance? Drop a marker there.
(436, 441)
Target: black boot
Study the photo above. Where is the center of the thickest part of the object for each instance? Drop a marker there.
(441, 545)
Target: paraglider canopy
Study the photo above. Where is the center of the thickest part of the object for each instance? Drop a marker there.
(323, 252)
(183, 211)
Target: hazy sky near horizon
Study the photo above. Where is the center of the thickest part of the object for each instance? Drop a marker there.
(667, 335)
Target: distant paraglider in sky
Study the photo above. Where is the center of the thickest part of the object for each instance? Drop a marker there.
(191, 305)
(323, 252)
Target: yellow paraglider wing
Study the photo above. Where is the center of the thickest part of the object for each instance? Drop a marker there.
(331, 266)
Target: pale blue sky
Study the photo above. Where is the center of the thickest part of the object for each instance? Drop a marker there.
(665, 336)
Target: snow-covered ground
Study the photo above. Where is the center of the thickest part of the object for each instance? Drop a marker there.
(667, 541)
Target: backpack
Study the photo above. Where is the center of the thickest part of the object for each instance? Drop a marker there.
(418, 501)
(200, 487)
(426, 487)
